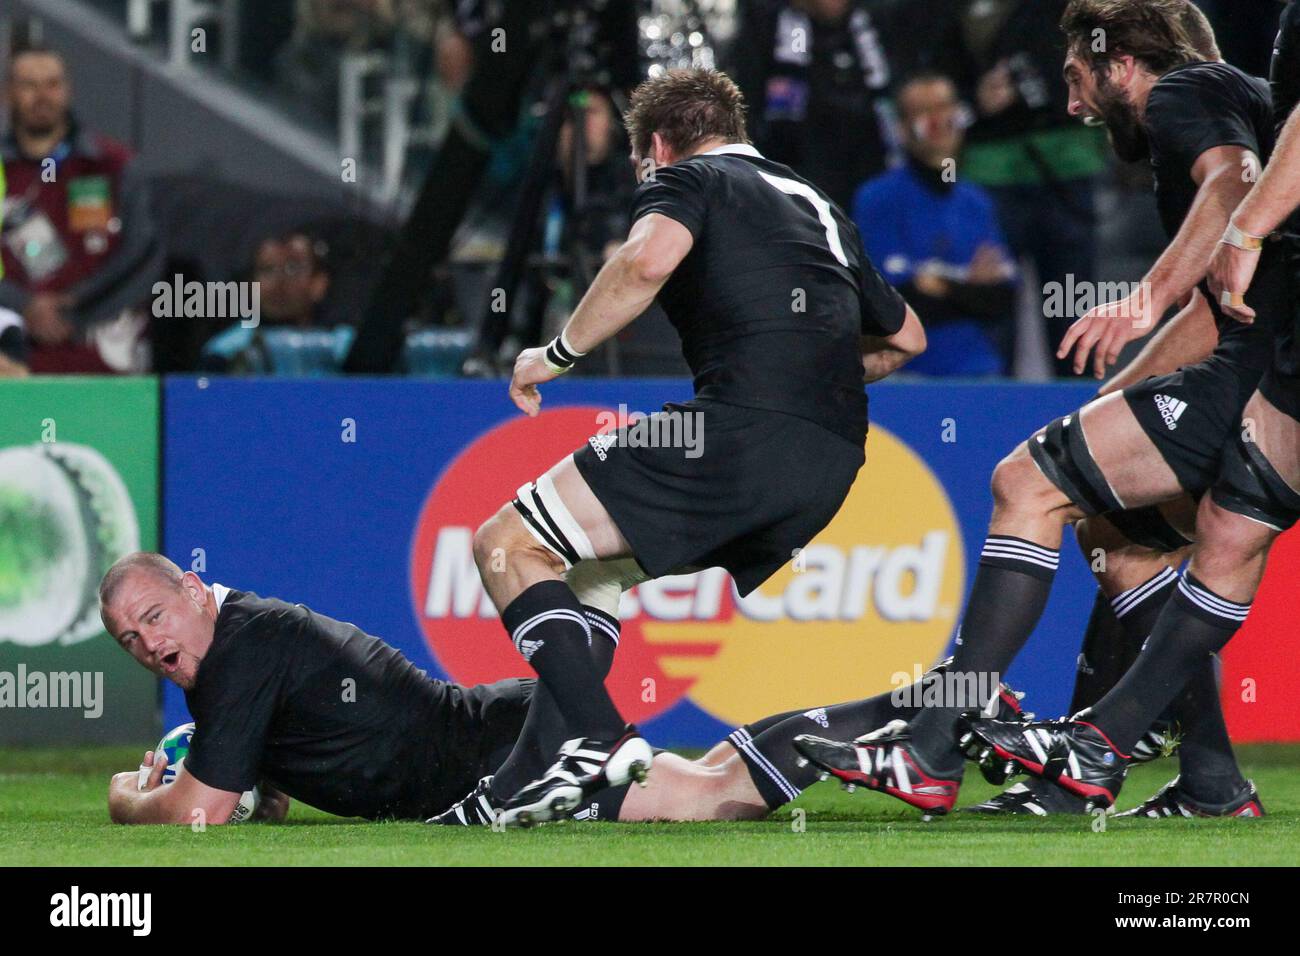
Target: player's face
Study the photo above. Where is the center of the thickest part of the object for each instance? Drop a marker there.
(38, 93)
(165, 627)
(1102, 101)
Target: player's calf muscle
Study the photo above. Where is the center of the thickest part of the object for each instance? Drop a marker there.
(685, 790)
(1117, 563)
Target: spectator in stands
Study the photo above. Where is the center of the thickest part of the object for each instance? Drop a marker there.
(936, 238)
(293, 280)
(816, 79)
(1038, 163)
(78, 245)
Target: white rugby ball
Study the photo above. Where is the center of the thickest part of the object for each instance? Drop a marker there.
(176, 745)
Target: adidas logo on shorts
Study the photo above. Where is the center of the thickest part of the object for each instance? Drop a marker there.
(601, 444)
(818, 716)
(1171, 409)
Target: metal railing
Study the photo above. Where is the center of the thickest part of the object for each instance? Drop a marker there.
(184, 18)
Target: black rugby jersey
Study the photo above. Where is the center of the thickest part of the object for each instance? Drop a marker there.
(1193, 109)
(775, 294)
(1284, 77)
(326, 713)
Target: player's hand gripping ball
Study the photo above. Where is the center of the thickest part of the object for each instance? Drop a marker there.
(175, 746)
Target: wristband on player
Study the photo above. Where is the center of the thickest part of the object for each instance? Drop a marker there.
(1242, 240)
(560, 356)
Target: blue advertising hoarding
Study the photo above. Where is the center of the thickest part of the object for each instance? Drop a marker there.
(358, 498)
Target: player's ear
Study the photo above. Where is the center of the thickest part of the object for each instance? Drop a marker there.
(1125, 69)
(660, 150)
(193, 586)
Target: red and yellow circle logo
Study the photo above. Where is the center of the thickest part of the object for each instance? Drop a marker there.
(873, 596)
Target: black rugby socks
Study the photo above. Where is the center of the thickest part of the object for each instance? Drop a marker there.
(1010, 591)
(1208, 770)
(551, 629)
(1195, 624)
(1104, 657)
(545, 728)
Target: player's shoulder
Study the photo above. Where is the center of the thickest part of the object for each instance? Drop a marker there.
(1195, 80)
(244, 613)
(1290, 23)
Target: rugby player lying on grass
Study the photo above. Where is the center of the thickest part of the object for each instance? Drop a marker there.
(316, 710)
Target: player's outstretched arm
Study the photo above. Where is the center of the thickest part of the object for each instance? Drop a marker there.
(1222, 176)
(1266, 206)
(186, 800)
(622, 290)
(882, 356)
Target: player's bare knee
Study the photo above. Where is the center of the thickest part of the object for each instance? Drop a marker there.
(1017, 482)
(487, 540)
(502, 542)
(498, 537)
(1237, 541)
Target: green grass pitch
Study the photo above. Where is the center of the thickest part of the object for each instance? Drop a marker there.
(52, 813)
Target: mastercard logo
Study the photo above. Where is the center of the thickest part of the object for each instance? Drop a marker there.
(873, 596)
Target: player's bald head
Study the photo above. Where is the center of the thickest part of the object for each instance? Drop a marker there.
(139, 565)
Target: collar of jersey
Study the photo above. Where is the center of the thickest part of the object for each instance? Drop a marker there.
(734, 149)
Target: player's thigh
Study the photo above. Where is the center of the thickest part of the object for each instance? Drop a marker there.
(1124, 453)
(587, 512)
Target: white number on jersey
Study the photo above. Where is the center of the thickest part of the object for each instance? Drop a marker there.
(792, 188)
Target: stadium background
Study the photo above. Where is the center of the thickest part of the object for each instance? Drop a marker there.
(252, 480)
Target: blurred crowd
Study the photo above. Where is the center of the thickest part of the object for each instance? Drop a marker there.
(940, 125)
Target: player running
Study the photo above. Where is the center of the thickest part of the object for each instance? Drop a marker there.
(1256, 497)
(314, 709)
(1202, 124)
(781, 317)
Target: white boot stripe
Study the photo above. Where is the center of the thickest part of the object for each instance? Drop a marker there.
(901, 778)
(1030, 736)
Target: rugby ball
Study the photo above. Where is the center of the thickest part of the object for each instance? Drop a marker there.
(175, 744)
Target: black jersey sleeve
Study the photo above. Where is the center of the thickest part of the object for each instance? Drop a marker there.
(678, 192)
(1285, 75)
(235, 699)
(1189, 112)
(883, 310)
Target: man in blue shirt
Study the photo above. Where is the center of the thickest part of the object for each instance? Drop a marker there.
(936, 239)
